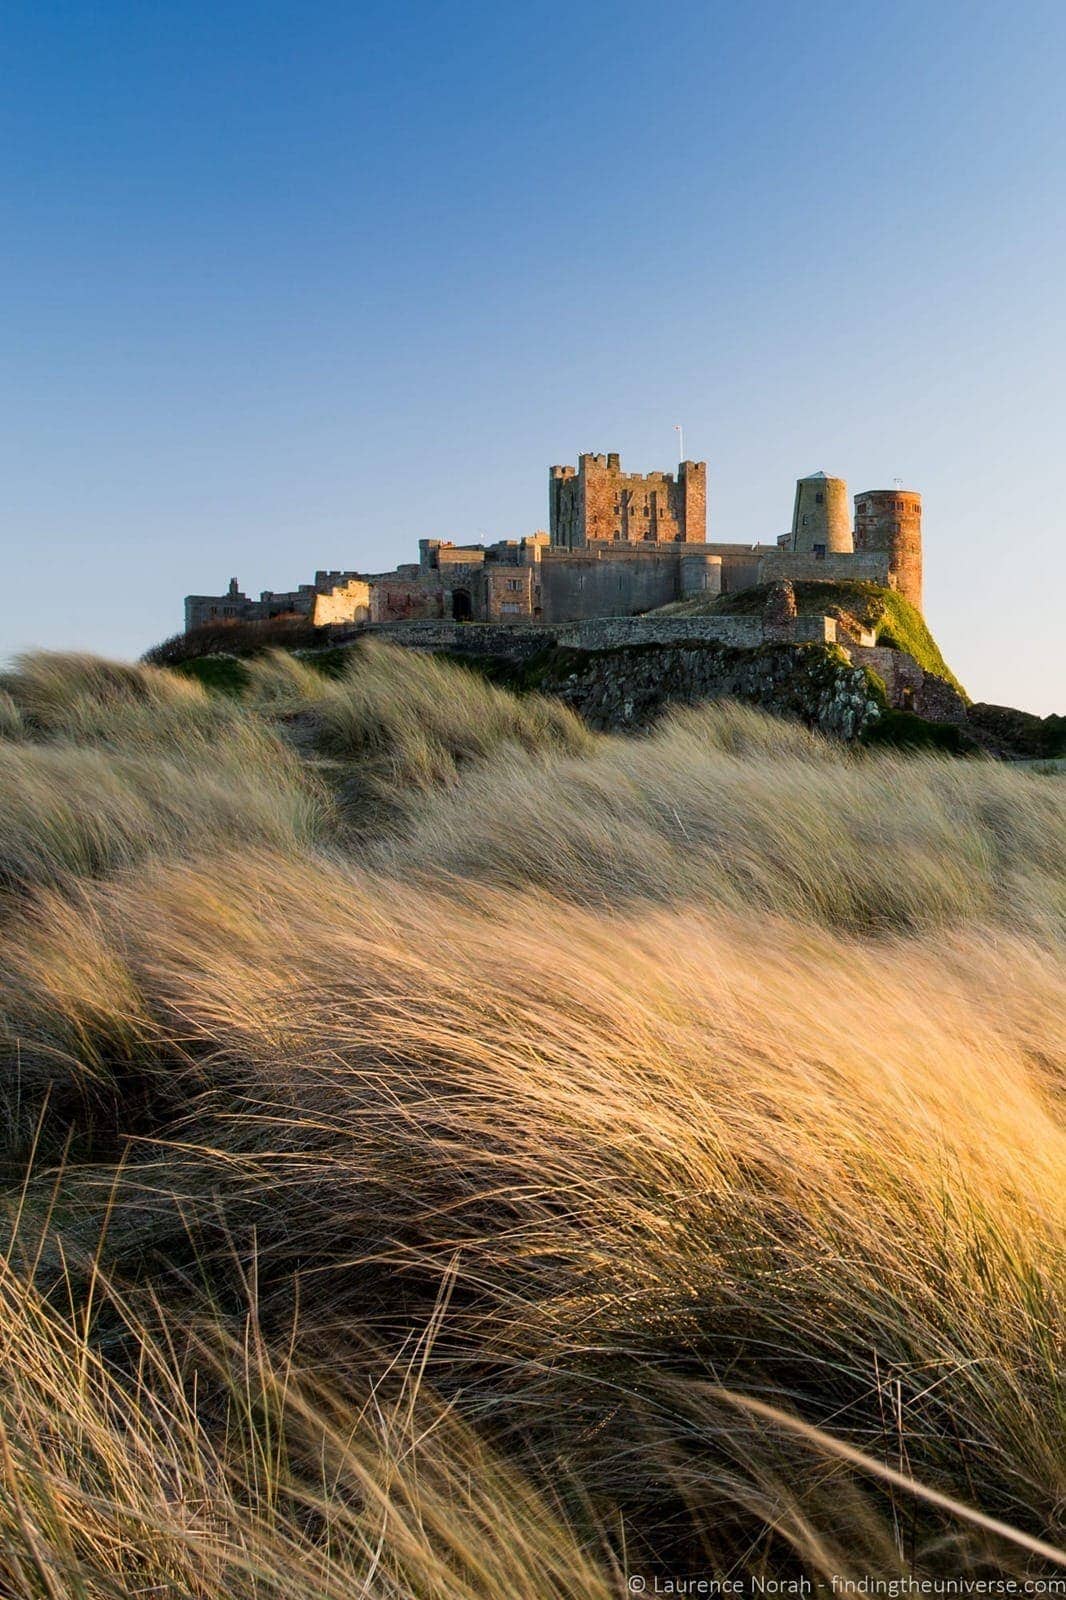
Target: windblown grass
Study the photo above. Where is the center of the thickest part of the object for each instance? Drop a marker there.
(117, 764)
(426, 718)
(69, 811)
(654, 1147)
(10, 717)
(113, 1487)
(280, 681)
(729, 808)
(615, 1090)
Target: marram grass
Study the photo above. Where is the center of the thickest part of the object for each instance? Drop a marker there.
(448, 1154)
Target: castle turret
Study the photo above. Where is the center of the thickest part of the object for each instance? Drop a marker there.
(821, 521)
(692, 479)
(890, 520)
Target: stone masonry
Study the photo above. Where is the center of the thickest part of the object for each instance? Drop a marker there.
(599, 503)
(620, 544)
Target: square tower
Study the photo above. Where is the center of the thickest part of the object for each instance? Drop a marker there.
(598, 503)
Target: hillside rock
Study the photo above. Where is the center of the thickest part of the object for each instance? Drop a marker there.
(626, 689)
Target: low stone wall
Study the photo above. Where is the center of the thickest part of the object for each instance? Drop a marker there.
(867, 565)
(738, 633)
(521, 641)
(507, 640)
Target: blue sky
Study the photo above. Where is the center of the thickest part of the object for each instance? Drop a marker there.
(289, 285)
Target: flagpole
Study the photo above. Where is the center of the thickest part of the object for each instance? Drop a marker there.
(679, 430)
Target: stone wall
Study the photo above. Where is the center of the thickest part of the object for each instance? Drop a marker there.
(740, 566)
(870, 566)
(692, 485)
(511, 593)
(608, 583)
(347, 602)
(503, 641)
(395, 599)
(739, 633)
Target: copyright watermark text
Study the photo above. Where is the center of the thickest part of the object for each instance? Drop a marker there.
(752, 1588)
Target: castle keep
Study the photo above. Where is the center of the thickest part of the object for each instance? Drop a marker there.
(619, 544)
(598, 503)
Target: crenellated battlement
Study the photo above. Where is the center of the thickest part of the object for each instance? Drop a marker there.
(597, 502)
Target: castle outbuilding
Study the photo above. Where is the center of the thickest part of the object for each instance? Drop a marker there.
(620, 543)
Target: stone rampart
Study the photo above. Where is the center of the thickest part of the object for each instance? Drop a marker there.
(508, 641)
(738, 633)
(870, 566)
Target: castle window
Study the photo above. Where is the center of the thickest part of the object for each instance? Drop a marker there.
(819, 552)
(819, 498)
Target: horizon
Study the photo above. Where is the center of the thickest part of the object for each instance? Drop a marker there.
(291, 291)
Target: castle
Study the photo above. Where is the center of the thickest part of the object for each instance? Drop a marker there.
(619, 544)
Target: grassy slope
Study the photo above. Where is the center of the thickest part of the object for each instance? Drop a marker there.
(897, 623)
(532, 1085)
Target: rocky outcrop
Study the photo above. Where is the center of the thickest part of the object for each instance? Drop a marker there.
(1017, 735)
(626, 689)
(908, 687)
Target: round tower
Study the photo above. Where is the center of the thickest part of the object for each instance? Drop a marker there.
(821, 523)
(890, 520)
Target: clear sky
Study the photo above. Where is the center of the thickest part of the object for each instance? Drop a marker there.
(289, 284)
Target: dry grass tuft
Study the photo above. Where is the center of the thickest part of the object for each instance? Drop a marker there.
(660, 1145)
(74, 812)
(420, 720)
(279, 681)
(10, 717)
(112, 1487)
(50, 686)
